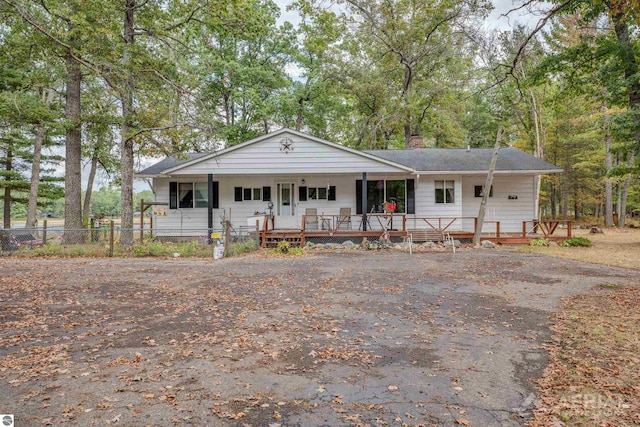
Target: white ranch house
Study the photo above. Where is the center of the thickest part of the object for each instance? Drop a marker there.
(305, 177)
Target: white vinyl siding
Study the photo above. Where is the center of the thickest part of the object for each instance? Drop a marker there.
(308, 157)
(196, 219)
(426, 206)
(510, 212)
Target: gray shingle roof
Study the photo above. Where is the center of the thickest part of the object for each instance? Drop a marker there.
(168, 163)
(421, 160)
(462, 160)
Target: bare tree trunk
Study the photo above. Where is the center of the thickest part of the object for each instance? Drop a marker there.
(539, 149)
(608, 162)
(32, 205)
(300, 114)
(86, 209)
(553, 197)
(126, 98)
(625, 193)
(7, 189)
(630, 63)
(486, 190)
(565, 190)
(73, 153)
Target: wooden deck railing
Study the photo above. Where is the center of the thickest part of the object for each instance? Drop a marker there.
(402, 223)
(389, 222)
(334, 223)
(547, 227)
(440, 223)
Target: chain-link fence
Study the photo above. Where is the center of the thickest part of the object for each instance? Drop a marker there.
(113, 240)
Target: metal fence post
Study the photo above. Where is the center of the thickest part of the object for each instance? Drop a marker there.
(141, 221)
(227, 225)
(111, 234)
(44, 232)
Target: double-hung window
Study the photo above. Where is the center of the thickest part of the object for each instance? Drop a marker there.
(201, 189)
(185, 195)
(252, 193)
(445, 191)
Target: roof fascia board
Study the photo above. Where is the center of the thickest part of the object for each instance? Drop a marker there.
(151, 175)
(506, 172)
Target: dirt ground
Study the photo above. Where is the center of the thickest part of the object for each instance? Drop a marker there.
(618, 247)
(330, 339)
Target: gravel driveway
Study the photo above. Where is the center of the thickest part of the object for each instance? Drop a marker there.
(335, 339)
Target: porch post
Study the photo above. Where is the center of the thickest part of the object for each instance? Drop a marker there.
(210, 207)
(364, 201)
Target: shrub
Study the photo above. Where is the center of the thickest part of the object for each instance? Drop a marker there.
(240, 248)
(577, 241)
(188, 248)
(284, 248)
(151, 249)
(539, 242)
(48, 250)
(77, 250)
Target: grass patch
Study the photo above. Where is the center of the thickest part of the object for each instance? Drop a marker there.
(592, 378)
(614, 247)
(537, 243)
(194, 248)
(576, 241)
(284, 248)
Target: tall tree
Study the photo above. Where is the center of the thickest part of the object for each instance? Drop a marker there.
(613, 51)
(417, 43)
(30, 116)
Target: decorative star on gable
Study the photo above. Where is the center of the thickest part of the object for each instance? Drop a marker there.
(286, 145)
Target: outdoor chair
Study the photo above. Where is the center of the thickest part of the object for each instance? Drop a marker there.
(311, 219)
(344, 219)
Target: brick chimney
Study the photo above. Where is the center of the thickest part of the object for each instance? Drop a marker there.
(415, 141)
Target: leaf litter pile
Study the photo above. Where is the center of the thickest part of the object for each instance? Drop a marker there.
(177, 348)
(354, 340)
(593, 378)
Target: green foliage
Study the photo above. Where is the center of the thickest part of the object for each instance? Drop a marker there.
(577, 241)
(48, 250)
(150, 249)
(284, 248)
(77, 250)
(194, 248)
(539, 242)
(239, 248)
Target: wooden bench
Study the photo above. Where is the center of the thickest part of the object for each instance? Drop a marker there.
(426, 234)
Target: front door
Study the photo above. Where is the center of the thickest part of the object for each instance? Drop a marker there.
(286, 208)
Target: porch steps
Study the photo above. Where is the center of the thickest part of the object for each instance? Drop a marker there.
(272, 239)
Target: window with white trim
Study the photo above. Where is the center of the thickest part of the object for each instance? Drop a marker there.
(317, 193)
(252, 193)
(477, 191)
(185, 195)
(445, 191)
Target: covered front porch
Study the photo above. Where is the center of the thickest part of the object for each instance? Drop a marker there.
(402, 227)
